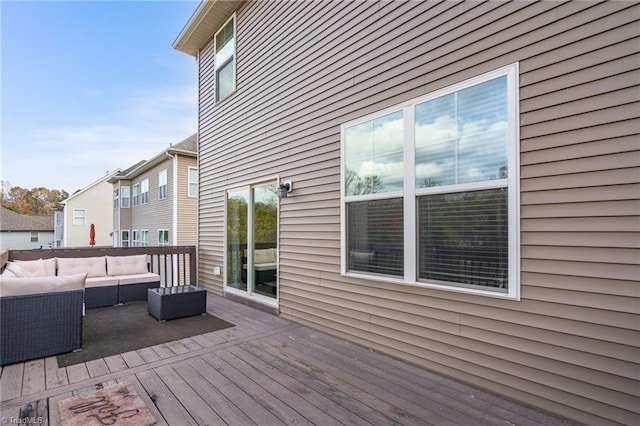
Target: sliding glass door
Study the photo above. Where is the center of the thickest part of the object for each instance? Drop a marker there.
(252, 240)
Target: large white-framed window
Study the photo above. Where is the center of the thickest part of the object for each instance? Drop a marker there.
(430, 189)
(124, 238)
(162, 184)
(144, 191)
(135, 238)
(125, 196)
(136, 194)
(116, 198)
(163, 237)
(79, 217)
(192, 182)
(225, 67)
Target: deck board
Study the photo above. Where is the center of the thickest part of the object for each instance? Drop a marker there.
(264, 370)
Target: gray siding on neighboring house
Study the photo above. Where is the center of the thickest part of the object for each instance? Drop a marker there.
(571, 344)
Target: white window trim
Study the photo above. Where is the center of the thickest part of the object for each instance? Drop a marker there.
(168, 237)
(122, 240)
(135, 199)
(234, 58)
(189, 182)
(144, 189)
(143, 242)
(162, 183)
(410, 194)
(84, 217)
(135, 238)
(122, 197)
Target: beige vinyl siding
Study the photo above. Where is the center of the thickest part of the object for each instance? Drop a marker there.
(187, 206)
(571, 344)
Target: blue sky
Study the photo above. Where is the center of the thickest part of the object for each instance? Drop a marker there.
(91, 86)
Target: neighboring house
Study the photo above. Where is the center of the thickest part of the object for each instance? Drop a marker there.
(21, 231)
(90, 205)
(155, 202)
(464, 184)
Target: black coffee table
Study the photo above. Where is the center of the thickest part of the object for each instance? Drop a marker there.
(166, 303)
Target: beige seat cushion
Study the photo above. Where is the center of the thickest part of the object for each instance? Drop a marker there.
(92, 266)
(138, 278)
(94, 282)
(38, 285)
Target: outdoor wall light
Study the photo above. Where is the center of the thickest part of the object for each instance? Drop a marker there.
(284, 189)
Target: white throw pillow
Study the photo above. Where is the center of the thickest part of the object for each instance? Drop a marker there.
(127, 265)
(92, 266)
(32, 268)
(14, 269)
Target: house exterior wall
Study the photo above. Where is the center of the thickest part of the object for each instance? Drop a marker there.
(97, 201)
(159, 213)
(22, 240)
(570, 344)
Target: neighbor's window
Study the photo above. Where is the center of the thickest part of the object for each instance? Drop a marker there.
(144, 237)
(116, 198)
(34, 236)
(125, 197)
(136, 238)
(430, 189)
(225, 59)
(163, 237)
(193, 182)
(136, 195)
(79, 216)
(124, 238)
(162, 184)
(144, 191)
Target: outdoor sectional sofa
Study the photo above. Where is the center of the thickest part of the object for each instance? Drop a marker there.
(110, 279)
(40, 316)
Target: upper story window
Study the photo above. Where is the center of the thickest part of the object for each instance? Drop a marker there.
(193, 182)
(430, 189)
(225, 46)
(59, 218)
(79, 216)
(136, 195)
(144, 191)
(162, 184)
(125, 197)
(116, 198)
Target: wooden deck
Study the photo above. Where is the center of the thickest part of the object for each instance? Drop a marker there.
(264, 371)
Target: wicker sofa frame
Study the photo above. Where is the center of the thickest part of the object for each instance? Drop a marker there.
(40, 325)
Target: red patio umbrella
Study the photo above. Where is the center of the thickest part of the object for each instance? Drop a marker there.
(92, 235)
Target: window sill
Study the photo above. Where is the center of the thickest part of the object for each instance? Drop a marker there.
(433, 286)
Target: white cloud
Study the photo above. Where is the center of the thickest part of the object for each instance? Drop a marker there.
(70, 157)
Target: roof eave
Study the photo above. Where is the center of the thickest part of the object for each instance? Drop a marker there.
(207, 18)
